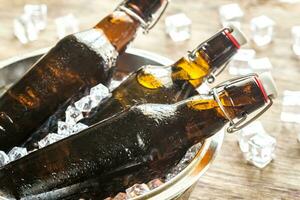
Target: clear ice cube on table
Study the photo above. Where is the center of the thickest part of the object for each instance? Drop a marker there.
(137, 190)
(261, 150)
(231, 13)
(85, 104)
(66, 25)
(78, 127)
(262, 29)
(73, 115)
(16, 153)
(154, 183)
(260, 65)
(290, 112)
(4, 159)
(291, 107)
(296, 39)
(178, 27)
(25, 29)
(245, 134)
(98, 93)
(64, 128)
(49, 139)
(38, 14)
(239, 64)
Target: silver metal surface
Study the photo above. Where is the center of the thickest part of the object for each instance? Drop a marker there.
(11, 70)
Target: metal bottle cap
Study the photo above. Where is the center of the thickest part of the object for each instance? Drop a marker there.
(238, 35)
(265, 83)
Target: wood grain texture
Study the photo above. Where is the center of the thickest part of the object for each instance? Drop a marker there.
(229, 177)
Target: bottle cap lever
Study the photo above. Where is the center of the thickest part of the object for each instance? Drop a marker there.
(235, 126)
(147, 26)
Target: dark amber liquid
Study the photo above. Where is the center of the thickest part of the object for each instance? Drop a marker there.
(156, 84)
(133, 147)
(69, 68)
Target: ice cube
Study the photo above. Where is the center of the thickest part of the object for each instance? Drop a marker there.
(178, 27)
(261, 150)
(38, 14)
(239, 65)
(137, 190)
(189, 156)
(120, 196)
(66, 25)
(73, 115)
(231, 13)
(16, 153)
(291, 98)
(24, 29)
(85, 104)
(291, 107)
(78, 127)
(154, 183)
(260, 65)
(64, 128)
(296, 39)
(245, 134)
(98, 93)
(262, 28)
(176, 170)
(4, 159)
(49, 139)
(290, 117)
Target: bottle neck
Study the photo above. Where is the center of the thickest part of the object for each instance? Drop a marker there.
(205, 116)
(144, 8)
(244, 97)
(121, 27)
(209, 57)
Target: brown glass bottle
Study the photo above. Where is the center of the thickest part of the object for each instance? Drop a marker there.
(77, 62)
(170, 84)
(160, 84)
(134, 146)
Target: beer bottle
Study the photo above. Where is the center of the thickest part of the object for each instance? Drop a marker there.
(77, 62)
(141, 142)
(170, 84)
(160, 84)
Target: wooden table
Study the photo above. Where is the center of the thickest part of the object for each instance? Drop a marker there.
(229, 177)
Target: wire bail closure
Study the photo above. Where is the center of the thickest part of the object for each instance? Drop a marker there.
(236, 126)
(147, 26)
(192, 55)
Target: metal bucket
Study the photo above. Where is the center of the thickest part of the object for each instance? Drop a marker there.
(181, 185)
